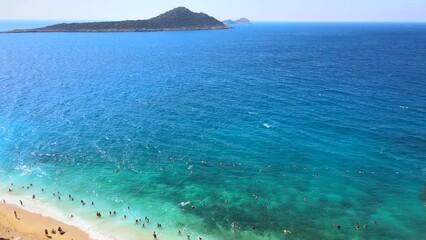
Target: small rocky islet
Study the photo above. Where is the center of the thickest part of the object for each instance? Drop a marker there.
(243, 21)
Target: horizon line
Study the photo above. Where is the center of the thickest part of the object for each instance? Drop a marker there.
(253, 21)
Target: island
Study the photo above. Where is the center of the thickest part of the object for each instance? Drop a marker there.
(238, 21)
(178, 19)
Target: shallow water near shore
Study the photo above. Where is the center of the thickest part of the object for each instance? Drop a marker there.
(324, 123)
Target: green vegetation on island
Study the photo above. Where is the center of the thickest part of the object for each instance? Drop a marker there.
(177, 19)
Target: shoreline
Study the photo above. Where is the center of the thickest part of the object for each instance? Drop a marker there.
(41, 211)
(36, 215)
(29, 225)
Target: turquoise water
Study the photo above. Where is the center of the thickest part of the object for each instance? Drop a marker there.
(325, 123)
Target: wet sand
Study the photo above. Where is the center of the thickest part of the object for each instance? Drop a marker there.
(31, 226)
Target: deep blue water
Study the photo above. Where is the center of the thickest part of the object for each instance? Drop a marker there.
(325, 123)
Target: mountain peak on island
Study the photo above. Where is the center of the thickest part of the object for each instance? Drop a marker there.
(183, 17)
(177, 19)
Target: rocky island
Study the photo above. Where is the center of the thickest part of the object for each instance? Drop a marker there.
(238, 21)
(178, 19)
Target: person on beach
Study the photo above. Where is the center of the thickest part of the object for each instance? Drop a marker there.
(16, 215)
(46, 232)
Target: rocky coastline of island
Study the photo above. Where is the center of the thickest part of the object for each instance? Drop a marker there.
(177, 19)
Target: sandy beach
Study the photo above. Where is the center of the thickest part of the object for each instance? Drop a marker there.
(29, 226)
(35, 216)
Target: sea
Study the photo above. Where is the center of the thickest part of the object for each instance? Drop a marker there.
(265, 131)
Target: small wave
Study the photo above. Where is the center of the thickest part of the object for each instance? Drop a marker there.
(266, 125)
